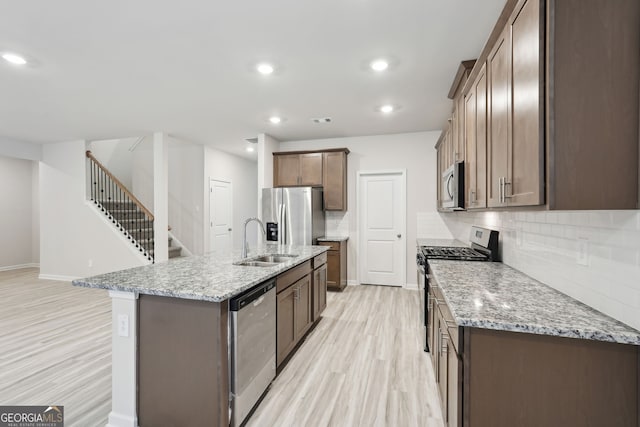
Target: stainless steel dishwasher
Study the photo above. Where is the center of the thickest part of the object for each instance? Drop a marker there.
(253, 348)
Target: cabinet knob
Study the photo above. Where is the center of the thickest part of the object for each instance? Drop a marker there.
(399, 236)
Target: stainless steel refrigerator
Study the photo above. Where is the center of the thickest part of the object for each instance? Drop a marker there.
(293, 215)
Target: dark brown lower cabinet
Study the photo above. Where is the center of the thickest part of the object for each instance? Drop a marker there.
(183, 372)
(336, 264)
(319, 291)
(294, 311)
(501, 378)
(286, 318)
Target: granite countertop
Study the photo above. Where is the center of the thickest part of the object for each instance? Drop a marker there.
(333, 239)
(492, 295)
(441, 242)
(206, 277)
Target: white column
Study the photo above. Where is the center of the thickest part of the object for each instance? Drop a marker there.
(161, 196)
(124, 317)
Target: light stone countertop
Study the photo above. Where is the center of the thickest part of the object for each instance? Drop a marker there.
(206, 277)
(492, 295)
(333, 239)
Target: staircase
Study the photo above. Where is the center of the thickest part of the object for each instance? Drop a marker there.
(124, 210)
(131, 221)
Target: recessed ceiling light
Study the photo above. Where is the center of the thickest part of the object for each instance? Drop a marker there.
(250, 149)
(265, 68)
(14, 58)
(386, 109)
(275, 120)
(379, 65)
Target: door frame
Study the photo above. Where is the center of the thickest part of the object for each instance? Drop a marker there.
(403, 226)
(226, 181)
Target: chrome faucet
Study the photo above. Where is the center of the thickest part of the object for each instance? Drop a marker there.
(245, 245)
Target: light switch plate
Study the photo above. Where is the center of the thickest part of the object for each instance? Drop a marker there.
(123, 325)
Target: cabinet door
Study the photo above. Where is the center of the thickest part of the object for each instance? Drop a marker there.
(454, 133)
(476, 141)
(459, 148)
(286, 170)
(333, 269)
(310, 169)
(335, 181)
(454, 389)
(470, 166)
(442, 375)
(439, 176)
(302, 306)
(432, 328)
(286, 332)
(322, 288)
(480, 90)
(525, 177)
(315, 285)
(498, 119)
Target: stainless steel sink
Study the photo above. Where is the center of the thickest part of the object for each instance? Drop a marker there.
(276, 258)
(266, 260)
(256, 264)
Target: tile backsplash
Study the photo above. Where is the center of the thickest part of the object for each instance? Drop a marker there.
(336, 223)
(592, 256)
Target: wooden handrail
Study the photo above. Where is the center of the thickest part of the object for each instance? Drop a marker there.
(124, 189)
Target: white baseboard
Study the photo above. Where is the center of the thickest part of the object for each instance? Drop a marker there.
(20, 266)
(57, 277)
(352, 282)
(411, 286)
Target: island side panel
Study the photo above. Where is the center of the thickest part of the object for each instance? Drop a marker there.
(532, 380)
(183, 362)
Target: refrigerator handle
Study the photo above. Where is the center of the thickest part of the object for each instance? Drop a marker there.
(285, 224)
(281, 224)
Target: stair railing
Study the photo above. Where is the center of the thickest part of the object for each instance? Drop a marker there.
(115, 200)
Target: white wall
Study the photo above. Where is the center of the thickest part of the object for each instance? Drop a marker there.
(17, 212)
(115, 155)
(20, 150)
(76, 240)
(35, 212)
(142, 172)
(186, 186)
(545, 246)
(411, 151)
(243, 175)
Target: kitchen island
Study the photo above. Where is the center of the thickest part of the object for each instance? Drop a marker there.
(170, 354)
(509, 350)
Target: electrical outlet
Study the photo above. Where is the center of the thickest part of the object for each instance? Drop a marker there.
(582, 256)
(123, 325)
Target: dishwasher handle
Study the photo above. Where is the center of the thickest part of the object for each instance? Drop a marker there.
(254, 295)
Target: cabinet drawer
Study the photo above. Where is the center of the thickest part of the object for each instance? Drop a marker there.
(452, 328)
(319, 260)
(333, 246)
(291, 276)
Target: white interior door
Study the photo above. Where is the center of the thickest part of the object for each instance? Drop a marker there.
(220, 216)
(381, 215)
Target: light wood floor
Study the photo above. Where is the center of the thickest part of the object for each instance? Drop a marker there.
(363, 365)
(55, 347)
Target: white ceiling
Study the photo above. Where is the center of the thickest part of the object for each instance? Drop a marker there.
(109, 69)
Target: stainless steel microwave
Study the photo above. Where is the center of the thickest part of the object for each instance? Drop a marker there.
(453, 187)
